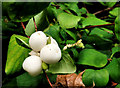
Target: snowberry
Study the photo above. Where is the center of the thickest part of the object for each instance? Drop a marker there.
(53, 41)
(50, 54)
(37, 40)
(33, 65)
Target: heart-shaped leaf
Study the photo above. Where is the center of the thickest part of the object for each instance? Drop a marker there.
(68, 20)
(66, 65)
(16, 55)
(92, 57)
(98, 77)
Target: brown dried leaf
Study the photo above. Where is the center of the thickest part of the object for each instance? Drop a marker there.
(70, 79)
(61, 79)
(78, 81)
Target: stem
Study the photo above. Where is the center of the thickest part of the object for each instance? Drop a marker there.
(107, 9)
(35, 24)
(24, 27)
(47, 78)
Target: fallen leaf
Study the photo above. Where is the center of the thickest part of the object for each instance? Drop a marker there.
(70, 81)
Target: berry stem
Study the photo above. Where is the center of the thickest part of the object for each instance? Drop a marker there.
(24, 27)
(48, 79)
(35, 24)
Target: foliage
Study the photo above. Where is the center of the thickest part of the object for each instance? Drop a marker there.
(97, 24)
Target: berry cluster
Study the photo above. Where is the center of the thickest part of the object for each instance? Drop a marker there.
(42, 51)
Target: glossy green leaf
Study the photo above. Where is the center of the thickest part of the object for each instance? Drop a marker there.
(33, 82)
(74, 7)
(65, 65)
(68, 20)
(16, 55)
(92, 57)
(93, 21)
(117, 28)
(115, 11)
(73, 35)
(54, 32)
(101, 33)
(41, 23)
(114, 70)
(99, 77)
(115, 49)
(98, 42)
(23, 11)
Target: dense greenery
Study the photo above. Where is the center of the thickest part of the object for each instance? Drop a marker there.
(97, 24)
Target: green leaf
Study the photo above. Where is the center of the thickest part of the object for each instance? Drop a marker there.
(118, 86)
(74, 7)
(68, 20)
(115, 11)
(101, 33)
(114, 69)
(92, 57)
(71, 34)
(23, 43)
(115, 49)
(99, 77)
(54, 32)
(16, 55)
(98, 42)
(11, 83)
(93, 21)
(33, 82)
(66, 65)
(117, 28)
(41, 23)
(17, 12)
(109, 4)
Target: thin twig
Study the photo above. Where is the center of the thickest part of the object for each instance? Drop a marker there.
(35, 24)
(107, 9)
(85, 7)
(24, 27)
(48, 79)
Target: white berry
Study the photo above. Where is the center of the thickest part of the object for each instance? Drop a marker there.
(53, 41)
(37, 40)
(33, 65)
(50, 54)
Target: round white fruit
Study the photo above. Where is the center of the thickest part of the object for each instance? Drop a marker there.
(53, 41)
(37, 40)
(50, 54)
(33, 65)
